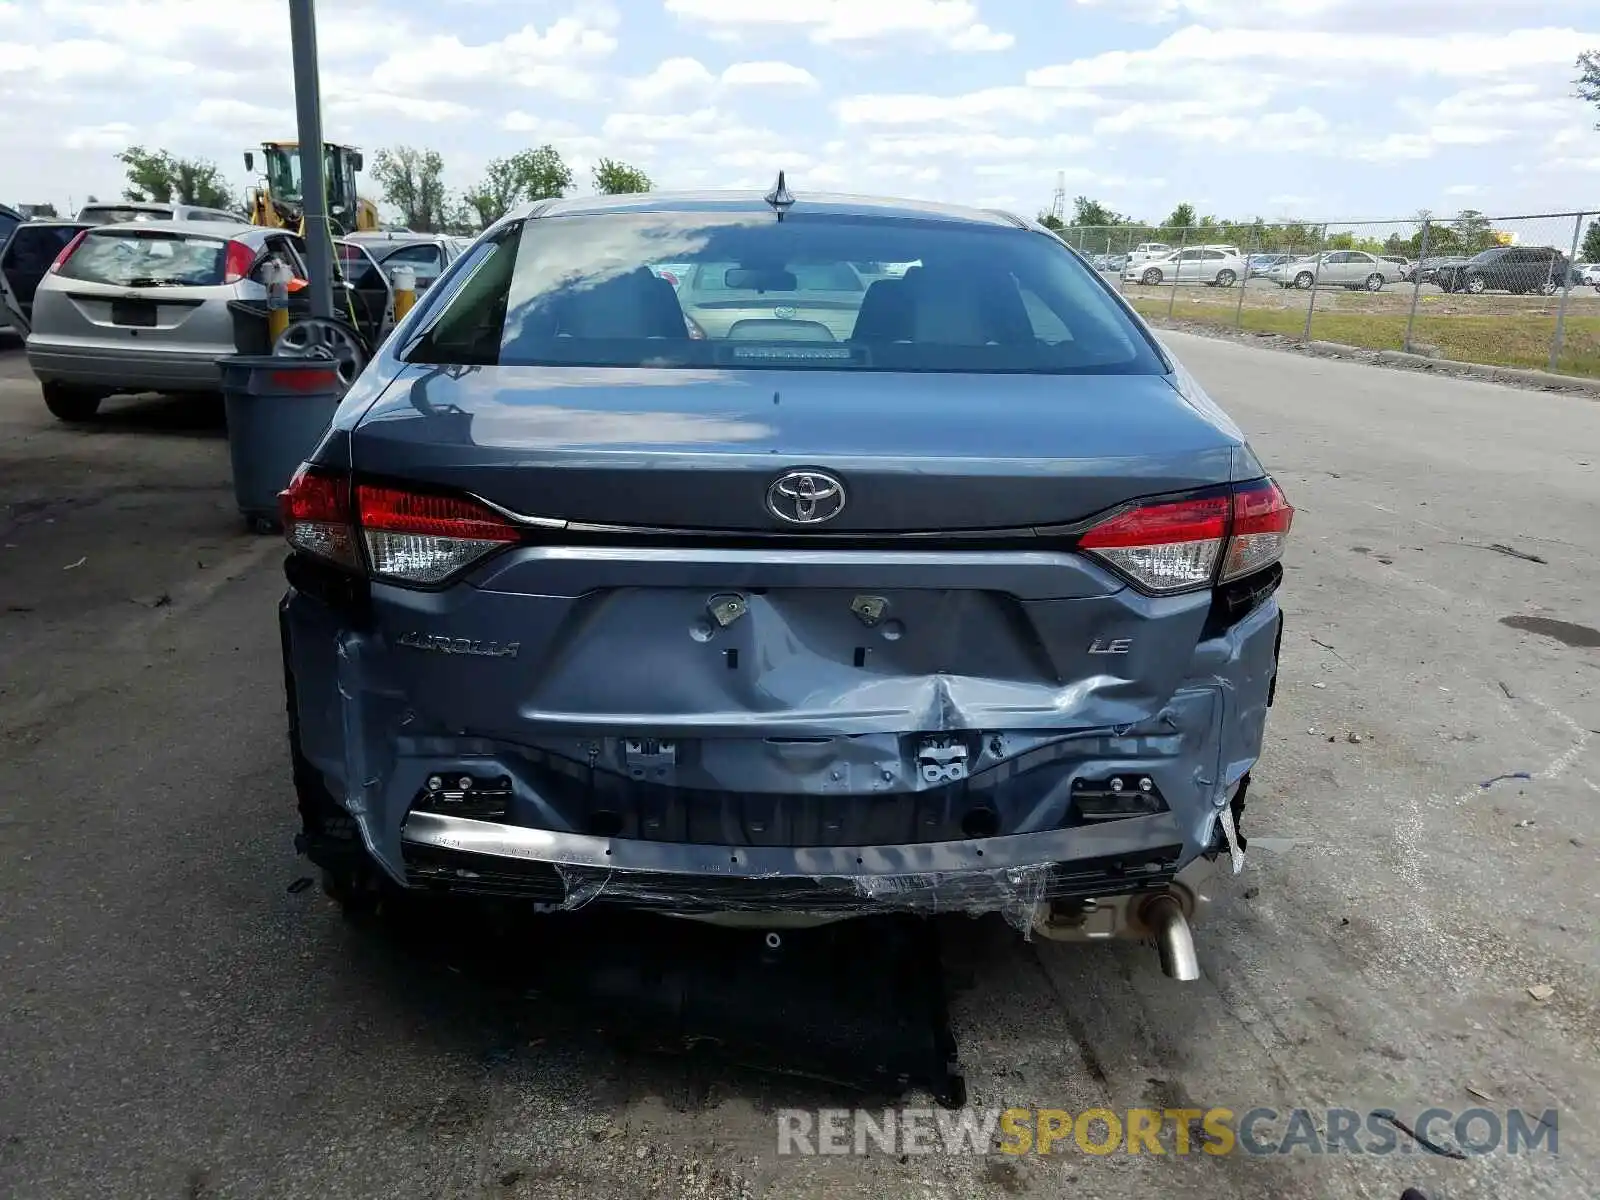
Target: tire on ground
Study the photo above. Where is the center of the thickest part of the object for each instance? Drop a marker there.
(68, 403)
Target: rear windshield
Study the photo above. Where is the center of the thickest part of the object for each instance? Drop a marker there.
(133, 257)
(113, 214)
(755, 292)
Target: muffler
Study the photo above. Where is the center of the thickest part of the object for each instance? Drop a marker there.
(1174, 943)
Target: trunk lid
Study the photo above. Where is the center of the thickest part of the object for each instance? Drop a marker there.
(699, 449)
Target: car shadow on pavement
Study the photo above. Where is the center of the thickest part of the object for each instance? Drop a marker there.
(198, 415)
(856, 1007)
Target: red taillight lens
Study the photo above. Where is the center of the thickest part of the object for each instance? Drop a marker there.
(236, 266)
(693, 326)
(425, 539)
(1168, 546)
(1176, 545)
(1261, 520)
(67, 252)
(316, 516)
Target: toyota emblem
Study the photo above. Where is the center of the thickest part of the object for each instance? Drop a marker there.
(805, 497)
(783, 312)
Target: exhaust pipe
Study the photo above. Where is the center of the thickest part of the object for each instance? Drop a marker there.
(1174, 942)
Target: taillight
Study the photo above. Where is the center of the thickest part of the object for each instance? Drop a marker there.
(693, 326)
(67, 252)
(424, 539)
(1168, 546)
(316, 516)
(236, 266)
(1177, 545)
(1261, 520)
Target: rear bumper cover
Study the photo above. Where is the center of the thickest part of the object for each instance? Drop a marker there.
(361, 743)
(130, 370)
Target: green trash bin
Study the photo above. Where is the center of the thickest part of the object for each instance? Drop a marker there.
(277, 410)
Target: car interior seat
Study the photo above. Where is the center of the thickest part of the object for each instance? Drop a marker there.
(639, 304)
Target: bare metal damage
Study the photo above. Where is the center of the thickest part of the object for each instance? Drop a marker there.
(797, 722)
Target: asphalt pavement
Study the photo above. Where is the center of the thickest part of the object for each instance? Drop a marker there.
(1416, 925)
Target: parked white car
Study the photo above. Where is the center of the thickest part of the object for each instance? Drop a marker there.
(1147, 252)
(1337, 268)
(1200, 264)
(1589, 273)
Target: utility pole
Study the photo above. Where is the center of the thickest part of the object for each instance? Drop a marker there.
(308, 110)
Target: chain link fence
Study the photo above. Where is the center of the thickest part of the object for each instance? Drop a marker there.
(1502, 291)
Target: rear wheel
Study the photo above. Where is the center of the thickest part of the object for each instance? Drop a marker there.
(1226, 278)
(1551, 287)
(1374, 282)
(68, 403)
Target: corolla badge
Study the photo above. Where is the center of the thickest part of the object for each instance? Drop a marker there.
(474, 647)
(805, 497)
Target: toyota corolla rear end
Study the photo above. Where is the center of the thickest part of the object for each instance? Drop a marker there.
(972, 611)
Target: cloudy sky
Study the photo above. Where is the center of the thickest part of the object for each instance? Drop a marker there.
(1315, 108)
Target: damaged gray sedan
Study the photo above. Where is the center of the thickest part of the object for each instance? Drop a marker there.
(970, 609)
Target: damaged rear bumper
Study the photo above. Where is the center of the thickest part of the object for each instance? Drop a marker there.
(867, 831)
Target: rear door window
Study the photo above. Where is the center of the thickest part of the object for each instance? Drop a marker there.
(127, 256)
(424, 259)
(27, 255)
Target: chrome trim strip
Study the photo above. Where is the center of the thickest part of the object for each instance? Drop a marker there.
(1129, 836)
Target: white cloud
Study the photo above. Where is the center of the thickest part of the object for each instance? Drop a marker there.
(1318, 56)
(675, 76)
(951, 23)
(982, 108)
(768, 74)
(1463, 189)
(976, 146)
(1384, 17)
(683, 78)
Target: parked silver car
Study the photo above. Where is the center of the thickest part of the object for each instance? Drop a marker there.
(120, 211)
(1337, 268)
(137, 307)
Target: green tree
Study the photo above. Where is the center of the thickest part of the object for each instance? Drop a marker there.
(156, 175)
(613, 178)
(1182, 217)
(1087, 212)
(413, 181)
(526, 175)
(495, 194)
(541, 172)
(1051, 221)
(1472, 230)
(1590, 250)
(1588, 80)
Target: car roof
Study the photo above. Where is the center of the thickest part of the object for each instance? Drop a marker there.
(240, 229)
(394, 235)
(140, 205)
(824, 204)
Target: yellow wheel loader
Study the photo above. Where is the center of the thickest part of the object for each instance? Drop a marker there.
(278, 200)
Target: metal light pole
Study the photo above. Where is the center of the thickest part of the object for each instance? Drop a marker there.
(308, 110)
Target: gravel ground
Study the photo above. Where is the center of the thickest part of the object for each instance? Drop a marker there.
(179, 1023)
